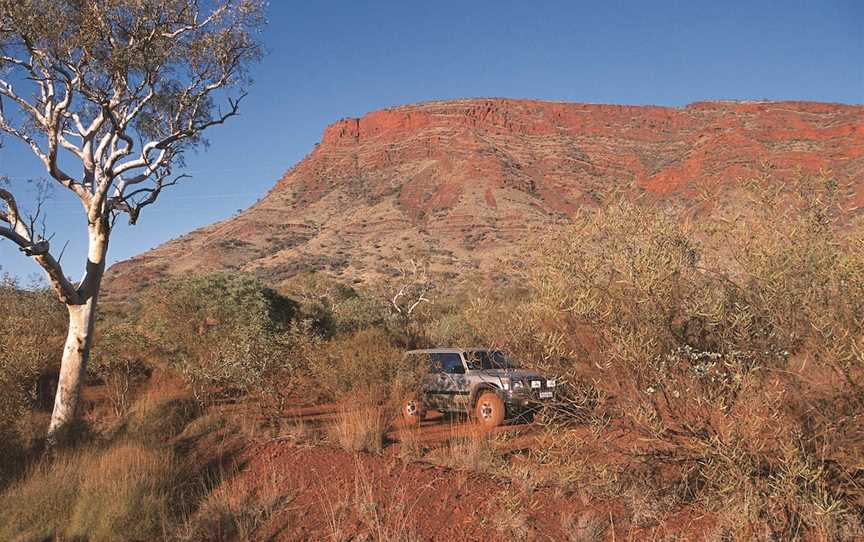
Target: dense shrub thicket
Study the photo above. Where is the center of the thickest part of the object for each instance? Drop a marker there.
(733, 339)
(223, 333)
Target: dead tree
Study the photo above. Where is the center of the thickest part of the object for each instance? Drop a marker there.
(414, 287)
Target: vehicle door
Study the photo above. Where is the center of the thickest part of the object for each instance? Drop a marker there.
(452, 385)
(430, 382)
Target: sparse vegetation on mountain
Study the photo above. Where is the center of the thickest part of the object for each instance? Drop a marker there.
(464, 187)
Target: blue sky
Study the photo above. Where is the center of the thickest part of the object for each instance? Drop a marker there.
(329, 60)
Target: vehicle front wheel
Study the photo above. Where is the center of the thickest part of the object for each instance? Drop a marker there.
(413, 411)
(489, 411)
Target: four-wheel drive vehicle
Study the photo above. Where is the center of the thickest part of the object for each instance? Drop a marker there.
(481, 382)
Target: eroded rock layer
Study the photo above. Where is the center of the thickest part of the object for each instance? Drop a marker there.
(464, 183)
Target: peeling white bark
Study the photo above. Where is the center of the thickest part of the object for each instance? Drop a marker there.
(73, 367)
(79, 338)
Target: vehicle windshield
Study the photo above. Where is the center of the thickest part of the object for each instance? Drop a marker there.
(488, 359)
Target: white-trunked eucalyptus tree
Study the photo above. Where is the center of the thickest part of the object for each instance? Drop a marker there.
(121, 88)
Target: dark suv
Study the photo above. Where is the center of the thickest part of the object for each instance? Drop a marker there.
(479, 381)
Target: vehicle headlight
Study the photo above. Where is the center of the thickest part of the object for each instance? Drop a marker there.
(517, 385)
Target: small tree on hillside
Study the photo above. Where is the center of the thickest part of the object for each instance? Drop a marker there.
(122, 88)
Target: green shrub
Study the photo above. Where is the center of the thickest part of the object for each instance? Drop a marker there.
(223, 332)
(334, 308)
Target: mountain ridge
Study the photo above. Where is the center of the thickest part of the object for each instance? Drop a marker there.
(463, 183)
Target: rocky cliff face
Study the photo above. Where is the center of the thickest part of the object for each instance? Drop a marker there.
(463, 183)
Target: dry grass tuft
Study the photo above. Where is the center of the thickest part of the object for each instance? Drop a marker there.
(585, 527)
(360, 429)
(124, 489)
(92, 493)
(235, 511)
(509, 516)
(475, 452)
(383, 516)
(159, 416)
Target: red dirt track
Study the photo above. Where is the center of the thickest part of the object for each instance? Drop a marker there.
(330, 489)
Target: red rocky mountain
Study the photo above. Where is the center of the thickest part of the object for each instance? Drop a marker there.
(462, 183)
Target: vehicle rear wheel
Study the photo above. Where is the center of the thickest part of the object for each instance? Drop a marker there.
(413, 410)
(489, 411)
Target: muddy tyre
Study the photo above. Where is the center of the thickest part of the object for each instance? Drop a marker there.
(413, 411)
(489, 411)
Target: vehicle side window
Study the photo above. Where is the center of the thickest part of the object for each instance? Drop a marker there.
(434, 362)
(449, 363)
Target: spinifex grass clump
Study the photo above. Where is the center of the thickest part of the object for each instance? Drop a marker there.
(360, 428)
(92, 493)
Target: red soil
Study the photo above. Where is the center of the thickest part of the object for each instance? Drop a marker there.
(419, 499)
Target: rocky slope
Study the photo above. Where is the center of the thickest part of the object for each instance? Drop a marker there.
(461, 184)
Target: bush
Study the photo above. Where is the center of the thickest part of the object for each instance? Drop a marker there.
(334, 308)
(729, 342)
(361, 365)
(245, 331)
(32, 331)
(117, 360)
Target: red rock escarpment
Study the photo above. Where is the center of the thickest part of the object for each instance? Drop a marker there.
(464, 182)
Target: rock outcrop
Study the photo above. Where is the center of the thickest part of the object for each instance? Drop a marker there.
(462, 183)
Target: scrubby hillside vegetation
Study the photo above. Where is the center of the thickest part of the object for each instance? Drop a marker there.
(468, 182)
(711, 357)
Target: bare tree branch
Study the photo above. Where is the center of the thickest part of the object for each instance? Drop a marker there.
(18, 232)
(415, 284)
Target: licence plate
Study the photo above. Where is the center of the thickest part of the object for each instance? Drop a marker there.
(545, 395)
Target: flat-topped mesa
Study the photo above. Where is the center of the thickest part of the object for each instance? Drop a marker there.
(469, 181)
(516, 116)
(536, 118)
(554, 148)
